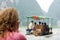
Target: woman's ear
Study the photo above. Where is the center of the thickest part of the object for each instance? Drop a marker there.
(17, 25)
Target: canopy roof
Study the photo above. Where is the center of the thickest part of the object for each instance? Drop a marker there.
(38, 17)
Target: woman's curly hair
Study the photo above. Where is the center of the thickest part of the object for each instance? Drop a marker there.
(8, 19)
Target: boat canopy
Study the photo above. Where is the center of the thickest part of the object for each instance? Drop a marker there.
(38, 17)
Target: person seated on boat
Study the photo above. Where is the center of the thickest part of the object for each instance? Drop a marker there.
(46, 28)
(34, 29)
(31, 25)
(41, 27)
(35, 24)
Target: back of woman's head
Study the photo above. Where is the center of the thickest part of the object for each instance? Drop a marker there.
(8, 19)
(12, 16)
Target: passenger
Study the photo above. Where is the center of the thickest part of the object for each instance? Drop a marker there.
(9, 25)
(46, 28)
(31, 25)
(41, 27)
(34, 29)
(35, 24)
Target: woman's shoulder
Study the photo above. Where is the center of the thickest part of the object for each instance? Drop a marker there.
(19, 36)
(15, 36)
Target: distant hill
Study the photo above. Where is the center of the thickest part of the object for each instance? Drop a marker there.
(54, 11)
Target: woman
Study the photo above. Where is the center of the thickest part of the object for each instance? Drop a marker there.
(9, 25)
